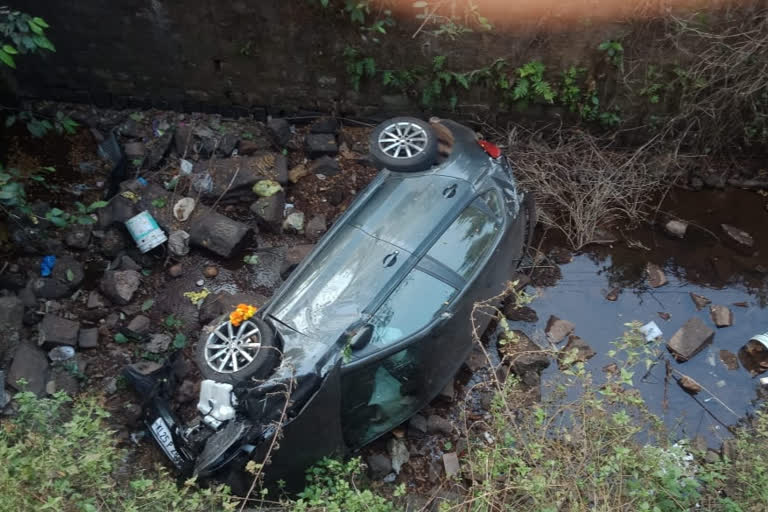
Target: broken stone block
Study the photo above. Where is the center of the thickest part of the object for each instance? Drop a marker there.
(729, 359)
(95, 300)
(217, 233)
(232, 179)
(721, 315)
(676, 228)
(690, 339)
(439, 424)
(58, 331)
(158, 343)
(269, 212)
(418, 423)
(451, 464)
(319, 144)
(31, 365)
(178, 243)
(298, 172)
(656, 276)
(521, 314)
(326, 166)
(120, 285)
(325, 125)
(739, 236)
(613, 295)
(280, 131)
(689, 385)
(700, 301)
(575, 351)
(78, 236)
(379, 466)
(139, 325)
(398, 451)
(88, 338)
(294, 222)
(316, 227)
(523, 354)
(557, 329)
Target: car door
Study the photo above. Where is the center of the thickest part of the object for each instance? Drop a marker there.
(421, 332)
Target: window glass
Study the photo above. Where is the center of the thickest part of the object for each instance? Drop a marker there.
(464, 244)
(412, 306)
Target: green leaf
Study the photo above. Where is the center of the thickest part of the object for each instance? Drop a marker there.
(10, 50)
(58, 222)
(35, 27)
(147, 305)
(40, 22)
(179, 341)
(85, 220)
(120, 338)
(7, 59)
(56, 211)
(80, 207)
(70, 275)
(146, 272)
(96, 205)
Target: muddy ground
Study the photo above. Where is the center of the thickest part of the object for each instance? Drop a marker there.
(320, 185)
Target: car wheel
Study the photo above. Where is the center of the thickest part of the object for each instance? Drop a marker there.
(236, 354)
(404, 144)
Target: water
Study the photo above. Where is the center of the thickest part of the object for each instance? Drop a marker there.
(702, 263)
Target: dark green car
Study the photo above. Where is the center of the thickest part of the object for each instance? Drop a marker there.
(373, 323)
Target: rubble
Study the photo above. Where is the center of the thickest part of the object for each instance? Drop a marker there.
(438, 424)
(88, 338)
(729, 359)
(158, 343)
(656, 276)
(418, 423)
(120, 285)
(379, 466)
(232, 179)
(320, 144)
(739, 236)
(294, 222)
(689, 385)
(326, 166)
(557, 329)
(690, 339)
(519, 314)
(721, 315)
(31, 365)
(178, 243)
(316, 227)
(269, 212)
(280, 131)
(58, 331)
(676, 228)
(524, 355)
(451, 464)
(700, 301)
(575, 351)
(139, 325)
(78, 237)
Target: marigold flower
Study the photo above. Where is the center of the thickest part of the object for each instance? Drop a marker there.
(242, 312)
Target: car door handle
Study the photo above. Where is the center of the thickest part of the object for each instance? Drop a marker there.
(390, 259)
(449, 192)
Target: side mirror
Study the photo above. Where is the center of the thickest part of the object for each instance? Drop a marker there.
(361, 337)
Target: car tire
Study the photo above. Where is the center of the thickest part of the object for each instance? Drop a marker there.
(393, 141)
(264, 358)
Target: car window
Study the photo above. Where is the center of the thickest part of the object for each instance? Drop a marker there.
(464, 244)
(409, 308)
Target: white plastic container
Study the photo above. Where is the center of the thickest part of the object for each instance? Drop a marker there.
(145, 231)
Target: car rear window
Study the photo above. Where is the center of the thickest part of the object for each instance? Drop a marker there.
(467, 240)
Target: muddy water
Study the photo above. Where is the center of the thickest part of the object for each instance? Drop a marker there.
(703, 263)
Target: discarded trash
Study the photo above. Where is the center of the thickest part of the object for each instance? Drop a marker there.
(183, 208)
(178, 243)
(754, 355)
(130, 196)
(46, 266)
(142, 181)
(197, 298)
(266, 188)
(145, 231)
(764, 381)
(61, 353)
(651, 331)
(202, 183)
(186, 167)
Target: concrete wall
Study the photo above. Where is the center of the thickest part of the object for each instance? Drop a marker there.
(284, 56)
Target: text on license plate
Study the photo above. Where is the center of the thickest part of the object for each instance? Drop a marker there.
(163, 436)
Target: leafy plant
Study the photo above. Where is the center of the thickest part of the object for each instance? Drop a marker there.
(172, 322)
(358, 66)
(614, 52)
(13, 188)
(531, 85)
(179, 341)
(22, 34)
(159, 202)
(60, 218)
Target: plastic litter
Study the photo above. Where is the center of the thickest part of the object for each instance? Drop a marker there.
(202, 183)
(61, 353)
(46, 266)
(142, 181)
(754, 354)
(186, 167)
(651, 331)
(145, 231)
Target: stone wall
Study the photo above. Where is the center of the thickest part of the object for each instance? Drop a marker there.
(254, 56)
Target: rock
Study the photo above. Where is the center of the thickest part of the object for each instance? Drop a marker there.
(294, 222)
(476, 360)
(325, 125)
(292, 256)
(379, 466)
(676, 228)
(217, 233)
(183, 208)
(227, 144)
(58, 331)
(175, 270)
(30, 364)
(62, 380)
(183, 140)
(398, 451)
(336, 196)
(613, 295)
(211, 271)
(61, 353)
(316, 227)
(113, 242)
(418, 423)
(451, 464)
(88, 338)
(298, 172)
(134, 150)
(319, 144)
(689, 385)
(139, 325)
(253, 146)
(721, 316)
(729, 359)
(11, 312)
(575, 351)
(95, 300)
(700, 301)
(557, 329)
(120, 285)
(690, 339)
(737, 235)
(158, 150)
(521, 314)
(178, 243)
(187, 392)
(439, 424)
(145, 367)
(78, 236)
(326, 166)
(269, 212)
(279, 131)
(158, 343)
(656, 276)
(524, 355)
(68, 271)
(49, 288)
(232, 179)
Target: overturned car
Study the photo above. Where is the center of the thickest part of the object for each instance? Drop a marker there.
(371, 325)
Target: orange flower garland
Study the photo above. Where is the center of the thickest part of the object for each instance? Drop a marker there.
(243, 312)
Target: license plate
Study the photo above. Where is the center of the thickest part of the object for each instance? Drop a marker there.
(162, 434)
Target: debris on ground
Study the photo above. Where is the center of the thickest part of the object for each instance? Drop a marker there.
(739, 236)
(613, 295)
(689, 385)
(676, 228)
(656, 276)
(729, 359)
(557, 329)
(721, 315)
(451, 464)
(693, 336)
(700, 301)
(575, 351)
(651, 331)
